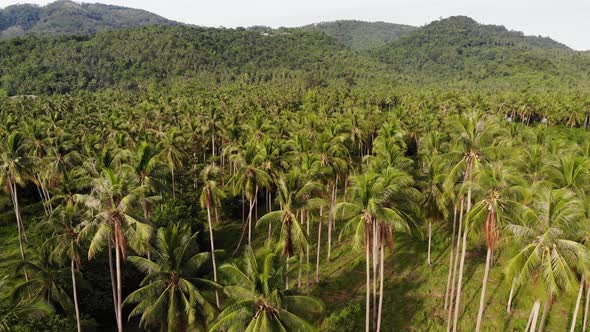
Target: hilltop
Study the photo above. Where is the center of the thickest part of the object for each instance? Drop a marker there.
(362, 35)
(66, 17)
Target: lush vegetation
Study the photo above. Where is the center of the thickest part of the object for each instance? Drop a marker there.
(362, 35)
(199, 179)
(68, 17)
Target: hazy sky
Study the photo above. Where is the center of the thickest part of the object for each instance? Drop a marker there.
(567, 21)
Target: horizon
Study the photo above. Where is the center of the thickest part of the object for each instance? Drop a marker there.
(540, 19)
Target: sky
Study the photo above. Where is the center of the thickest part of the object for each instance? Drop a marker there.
(567, 21)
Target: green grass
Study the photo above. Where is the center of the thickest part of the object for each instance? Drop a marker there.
(414, 292)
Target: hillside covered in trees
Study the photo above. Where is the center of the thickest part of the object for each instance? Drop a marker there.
(66, 17)
(361, 35)
(343, 176)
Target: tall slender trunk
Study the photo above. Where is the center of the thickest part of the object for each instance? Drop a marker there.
(287, 273)
(307, 222)
(575, 317)
(482, 299)
(119, 285)
(213, 254)
(584, 324)
(75, 292)
(113, 279)
(429, 240)
(546, 308)
(319, 246)
(375, 254)
(531, 325)
(381, 268)
(455, 266)
(452, 251)
(464, 249)
(368, 277)
(511, 296)
(460, 277)
(19, 222)
(331, 217)
(173, 184)
(252, 204)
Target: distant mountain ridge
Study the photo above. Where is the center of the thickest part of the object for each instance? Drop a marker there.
(360, 34)
(65, 17)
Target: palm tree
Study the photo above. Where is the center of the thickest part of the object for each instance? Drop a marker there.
(550, 253)
(498, 206)
(257, 300)
(169, 297)
(65, 242)
(13, 168)
(210, 199)
(248, 180)
(170, 153)
(45, 282)
(23, 310)
(290, 194)
(112, 200)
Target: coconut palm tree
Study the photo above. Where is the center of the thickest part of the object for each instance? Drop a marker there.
(169, 296)
(113, 199)
(210, 199)
(23, 310)
(13, 172)
(550, 253)
(65, 243)
(258, 301)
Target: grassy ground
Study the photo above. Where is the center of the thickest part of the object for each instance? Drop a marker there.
(414, 292)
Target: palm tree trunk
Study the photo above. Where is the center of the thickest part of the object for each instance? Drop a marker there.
(381, 268)
(213, 254)
(287, 273)
(252, 204)
(113, 279)
(455, 266)
(484, 285)
(119, 285)
(368, 285)
(330, 222)
(584, 324)
(546, 307)
(74, 290)
(319, 246)
(575, 317)
(531, 325)
(429, 240)
(19, 223)
(173, 184)
(452, 251)
(375, 277)
(460, 278)
(512, 289)
(307, 222)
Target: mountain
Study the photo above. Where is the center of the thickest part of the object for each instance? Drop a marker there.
(131, 57)
(362, 35)
(67, 17)
(459, 48)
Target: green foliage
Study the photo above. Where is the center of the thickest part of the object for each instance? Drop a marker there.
(344, 319)
(362, 35)
(68, 17)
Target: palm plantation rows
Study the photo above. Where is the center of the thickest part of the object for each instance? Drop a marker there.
(223, 209)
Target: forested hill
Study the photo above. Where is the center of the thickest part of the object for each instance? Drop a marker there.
(130, 57)
(460, 48)
(456, 51)
(67, 17)
(362, 35)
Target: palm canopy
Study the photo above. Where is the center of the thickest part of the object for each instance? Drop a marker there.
(550, 231)
(169, 296)
(370, 198)
(257, 301)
